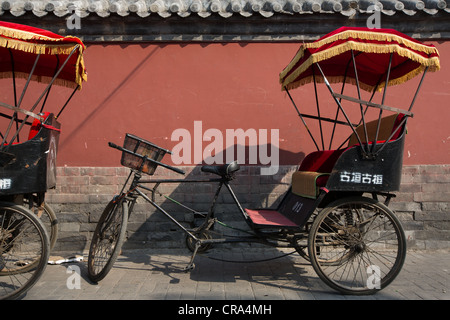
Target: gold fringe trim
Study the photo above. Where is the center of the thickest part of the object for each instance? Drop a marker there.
(41, 79)
(40, 48)
(372, 35)
(28, 35)
(432, 63)
(363, 35)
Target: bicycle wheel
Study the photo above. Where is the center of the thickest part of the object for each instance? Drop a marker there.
(107, 240)
(357, 246)
(23, 242)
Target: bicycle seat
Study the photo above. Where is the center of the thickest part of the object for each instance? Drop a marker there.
(223, 170)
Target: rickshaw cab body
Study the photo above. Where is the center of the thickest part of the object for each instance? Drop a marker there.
(32, 168)
(324, 176)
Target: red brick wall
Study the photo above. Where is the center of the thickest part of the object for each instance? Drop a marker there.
(422, 204)
(153, 89)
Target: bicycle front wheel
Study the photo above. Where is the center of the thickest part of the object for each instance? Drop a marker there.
(23, 243)
(107, 240)
(357, 246)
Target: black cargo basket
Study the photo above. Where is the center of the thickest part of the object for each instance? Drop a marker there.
(30, 166)
(145, 151)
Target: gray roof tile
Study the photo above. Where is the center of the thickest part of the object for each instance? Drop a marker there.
(223, 8)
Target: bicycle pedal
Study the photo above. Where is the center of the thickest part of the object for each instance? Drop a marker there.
(189, 267)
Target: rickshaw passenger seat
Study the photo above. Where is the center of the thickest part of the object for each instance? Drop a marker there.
(387, 126)
(320, 161)
(314, 170)
(307, 183)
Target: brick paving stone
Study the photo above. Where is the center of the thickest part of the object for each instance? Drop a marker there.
(154, 274)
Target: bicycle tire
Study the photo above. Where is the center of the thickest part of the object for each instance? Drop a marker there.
(107, 240)
(362, 246)
(23, 242)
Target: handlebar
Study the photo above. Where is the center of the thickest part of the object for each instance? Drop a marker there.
(115, 146)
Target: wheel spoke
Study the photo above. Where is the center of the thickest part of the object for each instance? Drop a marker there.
(24, 250)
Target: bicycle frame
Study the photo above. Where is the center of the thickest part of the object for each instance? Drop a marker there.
(138, 186)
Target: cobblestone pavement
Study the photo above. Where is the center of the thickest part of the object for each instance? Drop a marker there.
(159, 275)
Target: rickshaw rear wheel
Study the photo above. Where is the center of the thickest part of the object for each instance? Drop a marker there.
(23, 243)
(107, 240)
(357, 245)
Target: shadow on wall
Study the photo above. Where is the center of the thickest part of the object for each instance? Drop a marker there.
(149, 227)
(107, 100)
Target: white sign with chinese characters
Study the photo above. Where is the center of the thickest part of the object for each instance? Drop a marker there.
(358, 177)
(5, 184)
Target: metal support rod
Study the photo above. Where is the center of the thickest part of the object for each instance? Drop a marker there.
(387, 78)
(143, 195)
(18, 105)
(418, 88)
(318, 108)
(65, 104)
(360, 105)
(382, 103)
(371, 104)
(235, 199)
(28, 81)
(392, 134)
(301, 117)
(48, 91)
(367, 107)
(13, 73)
(337, 109)
(338, 103)
(334, 121)
(402, 123)
(13, 76)
(48, 87)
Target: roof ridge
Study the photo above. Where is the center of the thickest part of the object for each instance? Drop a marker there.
(224, 8)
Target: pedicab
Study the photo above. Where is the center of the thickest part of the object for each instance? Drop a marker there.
(355, 243)
(335, 212)
(35, 60)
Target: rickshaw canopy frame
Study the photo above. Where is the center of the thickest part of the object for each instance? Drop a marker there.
(403, 58)
(26, 44)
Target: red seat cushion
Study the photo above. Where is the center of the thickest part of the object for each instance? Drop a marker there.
(320, 161)
(324, 161)
(269, 218)
(322, 181)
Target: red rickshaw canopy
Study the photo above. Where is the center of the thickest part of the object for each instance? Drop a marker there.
(372, 49)
(20, 45)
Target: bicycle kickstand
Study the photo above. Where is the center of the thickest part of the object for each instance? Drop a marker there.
(191, 264)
